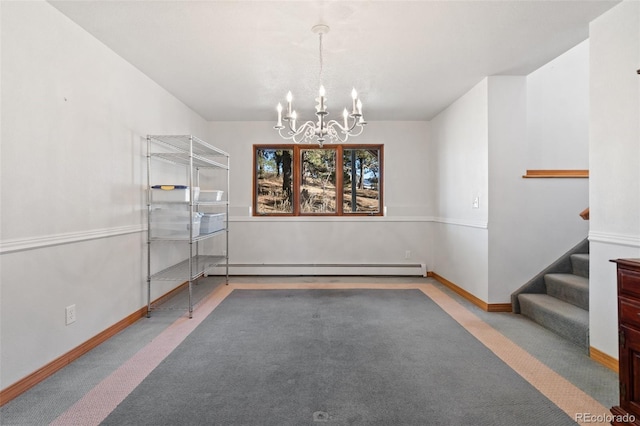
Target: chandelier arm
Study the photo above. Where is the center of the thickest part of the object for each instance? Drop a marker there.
(346, 129)
(290, 126)
(298, 140)
(310, 133)
(355, 122)
(335, 123)
(361, 126)
(304, 133)
(295, 135)
(333, 134)
(284, 135)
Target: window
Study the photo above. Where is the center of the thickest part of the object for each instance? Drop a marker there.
(338, 180)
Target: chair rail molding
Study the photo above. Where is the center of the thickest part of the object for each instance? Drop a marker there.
(32, 243)
(615, 239)
(461, 222)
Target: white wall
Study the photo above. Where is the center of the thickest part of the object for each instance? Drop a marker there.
(558, 112)
(557, 138)
(304, 240)
(74, 115)
(509, 249)
(482, 145)
(459, 148)
(532, 222)
(614, 162)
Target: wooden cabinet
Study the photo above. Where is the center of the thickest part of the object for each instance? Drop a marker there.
(628, 273)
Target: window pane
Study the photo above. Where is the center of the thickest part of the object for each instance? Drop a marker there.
(274, 183)
(360, 189)
(318, 181)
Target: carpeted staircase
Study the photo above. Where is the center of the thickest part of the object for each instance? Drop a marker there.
(558, 297)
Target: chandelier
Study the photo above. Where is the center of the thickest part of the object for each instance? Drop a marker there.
(321, 130)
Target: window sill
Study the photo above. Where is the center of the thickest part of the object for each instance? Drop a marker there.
(333, 219)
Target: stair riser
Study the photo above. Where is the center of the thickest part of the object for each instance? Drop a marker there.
(574, 331)
(577, 296)
(580, 265)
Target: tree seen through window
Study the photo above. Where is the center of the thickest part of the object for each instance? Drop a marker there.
(302, 180)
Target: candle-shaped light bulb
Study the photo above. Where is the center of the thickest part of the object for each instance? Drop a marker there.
(293, 120)
(359, 107)
(345, 115)
(321, 92)
(279, 108)
(289, 99)
(354, 96)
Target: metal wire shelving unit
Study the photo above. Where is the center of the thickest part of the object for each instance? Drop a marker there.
(195, 155)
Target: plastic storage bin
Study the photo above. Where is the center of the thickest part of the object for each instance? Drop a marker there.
(211, 222)
(173, 193)
(213, 195)
(171, 223)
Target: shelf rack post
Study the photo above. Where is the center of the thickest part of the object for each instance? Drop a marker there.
(148, 224)
(227, 220)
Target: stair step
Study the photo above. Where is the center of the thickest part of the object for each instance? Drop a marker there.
(565, 319)
(580, 264)
(569, 288)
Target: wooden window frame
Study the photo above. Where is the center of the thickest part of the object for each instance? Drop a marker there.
(296, 175)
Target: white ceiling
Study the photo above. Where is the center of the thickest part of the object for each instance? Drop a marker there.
(235, 60)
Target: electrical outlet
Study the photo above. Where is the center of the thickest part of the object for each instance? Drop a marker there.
(70, 312)
(407, 254)
(476, 203)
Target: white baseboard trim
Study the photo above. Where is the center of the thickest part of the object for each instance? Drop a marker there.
(12, 246)
(615, 239)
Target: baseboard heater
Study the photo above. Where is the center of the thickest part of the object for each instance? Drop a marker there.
(409, 269)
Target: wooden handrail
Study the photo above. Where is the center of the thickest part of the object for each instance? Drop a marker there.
(556, 174)
(585, 214)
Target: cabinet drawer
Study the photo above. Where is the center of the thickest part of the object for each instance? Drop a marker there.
(629, 311)
(629, 282)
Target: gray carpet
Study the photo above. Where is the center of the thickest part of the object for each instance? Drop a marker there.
(310, 357)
